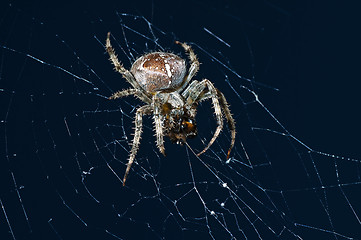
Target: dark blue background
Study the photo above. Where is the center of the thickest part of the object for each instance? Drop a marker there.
(309, 50)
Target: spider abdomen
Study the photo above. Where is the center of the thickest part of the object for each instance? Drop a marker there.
(159, 71)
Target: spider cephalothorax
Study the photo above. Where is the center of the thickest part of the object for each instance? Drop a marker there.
(161, 80)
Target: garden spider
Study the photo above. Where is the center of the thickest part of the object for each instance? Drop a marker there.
(162, 82)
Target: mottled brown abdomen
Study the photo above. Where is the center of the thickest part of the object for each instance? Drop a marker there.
(159, 71)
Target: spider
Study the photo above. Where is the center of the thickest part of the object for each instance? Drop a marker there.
(162, 82)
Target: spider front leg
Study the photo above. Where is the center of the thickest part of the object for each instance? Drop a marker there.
(197, 93)
(225, 108)
(230, 120)
(137, 135)
(217, 110)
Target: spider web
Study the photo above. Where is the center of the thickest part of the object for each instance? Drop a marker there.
(64, 145)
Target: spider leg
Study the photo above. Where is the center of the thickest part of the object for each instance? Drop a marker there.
(227, 113)
(230, 120)
(127, 92)
(190, 89)
(217, 110)
(197, 93)
(193, 69)
(158, 124)
(119, 67)
(137, 135)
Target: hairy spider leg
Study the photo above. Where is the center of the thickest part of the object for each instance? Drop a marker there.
(198, 94)
(137, 136)
(128, 92)
(158, 123)
(193, 69)
(190, 88)
(125, 73)
(230, 120)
